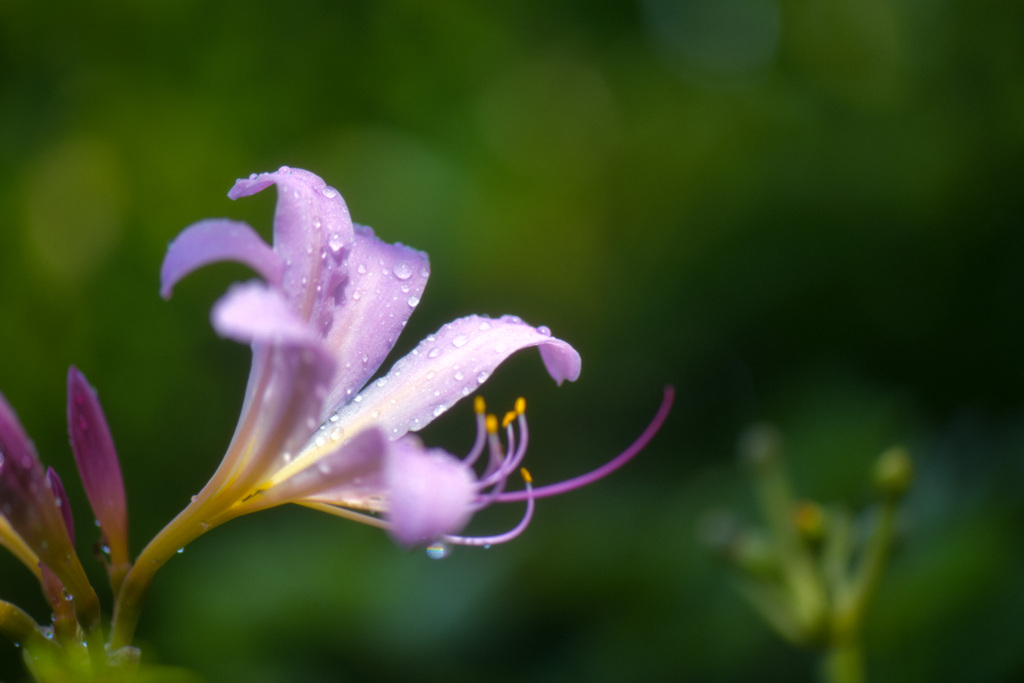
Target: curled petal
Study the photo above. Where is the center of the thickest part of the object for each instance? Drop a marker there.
(254, 313)
(216, 240)
(313, 235)
(447, 366)
(93, 447)
(384, 286)
(432, 492)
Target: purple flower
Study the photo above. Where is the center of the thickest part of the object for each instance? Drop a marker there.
(332, 303)
(37, 518)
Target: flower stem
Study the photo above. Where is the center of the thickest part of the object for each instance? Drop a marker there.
(843, 662)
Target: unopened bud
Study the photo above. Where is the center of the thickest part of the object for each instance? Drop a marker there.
(810, 522)
(760, 446)
(894, 472)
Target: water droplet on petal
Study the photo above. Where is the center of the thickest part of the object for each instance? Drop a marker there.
(402, 270)
(439, 410)
(484, 326)
(335, 242)
(437, 551)
(460, 341)
(459, 376)
(482, 377)
(361, 269)
(434, 353)
(413, 301)
(545, 330)
(329, 192)
(382, 381)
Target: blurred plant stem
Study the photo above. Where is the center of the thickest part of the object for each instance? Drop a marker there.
(812, 578)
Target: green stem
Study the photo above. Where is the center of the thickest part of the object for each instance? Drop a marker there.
(843, 662)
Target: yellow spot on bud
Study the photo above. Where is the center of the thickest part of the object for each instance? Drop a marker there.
(492, 424)
(479, 406)
(509, 416)
(526, 475)
(520, 405)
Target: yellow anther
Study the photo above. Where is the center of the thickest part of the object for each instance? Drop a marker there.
(509, 416)
(526, 475)
(492, 424)
(520, 405)
(479, 406)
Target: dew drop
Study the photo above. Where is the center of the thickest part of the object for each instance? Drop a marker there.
(481, 377)
(484, 326)
(335, 242)
(439, 410)
(460, 341)
(356, 296)
(382, 381)
(434, 353)
(413, 301)
(459, 376)
(437, 551)
(333, 417)
(329, 192)
(402, 270)
(545, 330)
(361, 269)
(181, 550)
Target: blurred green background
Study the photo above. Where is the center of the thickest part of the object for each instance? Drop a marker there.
(807, 212)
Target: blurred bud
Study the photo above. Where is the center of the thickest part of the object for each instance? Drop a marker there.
(717, 529)
(755, 555)
(894, 472)
(760, 446)
(810, 522)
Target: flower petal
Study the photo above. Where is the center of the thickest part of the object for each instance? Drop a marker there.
(348, 476)
(431, 492)
(289, 379)
(96, 458)
(215, 240)
(448, 366)
(254, 313)
(312, 234)
(385, 284)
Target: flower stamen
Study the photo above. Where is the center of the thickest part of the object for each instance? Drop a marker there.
(488, 541)
(480, 407)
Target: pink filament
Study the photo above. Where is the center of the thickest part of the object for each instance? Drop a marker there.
(606, 469)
